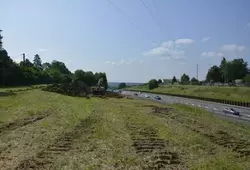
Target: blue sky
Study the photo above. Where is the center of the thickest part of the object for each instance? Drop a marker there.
(124, 40)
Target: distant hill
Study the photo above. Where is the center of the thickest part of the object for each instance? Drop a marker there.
(115, 84)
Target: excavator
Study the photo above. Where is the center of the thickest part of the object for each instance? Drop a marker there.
(98, 90)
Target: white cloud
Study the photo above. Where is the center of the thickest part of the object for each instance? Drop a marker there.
(212, 54)
(43, 50)
(169, 49)
(225, 51)
(109, 62)
(184, 41)
(232, 49)
(219, 54)
(205, 39)
(182, 63)
(122, 62)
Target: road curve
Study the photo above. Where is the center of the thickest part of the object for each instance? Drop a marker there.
(216, 108)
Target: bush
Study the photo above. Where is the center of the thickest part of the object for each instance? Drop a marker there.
(122, 85)
(152, 84)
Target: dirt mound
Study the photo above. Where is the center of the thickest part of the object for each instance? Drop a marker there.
(112, 95)
(161, 110)
(75, 88)
(157, 109)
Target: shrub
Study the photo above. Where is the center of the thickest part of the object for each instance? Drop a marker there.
(152, 84)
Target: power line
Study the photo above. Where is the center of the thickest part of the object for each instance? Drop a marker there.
(156, 10)
(133, 22)
(116, 8)
(129, 18)
(151, 15)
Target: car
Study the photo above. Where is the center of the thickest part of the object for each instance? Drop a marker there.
(147, 96)
(157, 97)
(231, 111)
(135, 94)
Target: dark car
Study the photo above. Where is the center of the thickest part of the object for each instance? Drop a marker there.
(157, 97)
(136, 94)
(231, 111)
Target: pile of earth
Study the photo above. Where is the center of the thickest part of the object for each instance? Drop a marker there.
(77, 88)
(74, 88)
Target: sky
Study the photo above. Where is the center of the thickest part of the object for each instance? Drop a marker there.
(130, 40)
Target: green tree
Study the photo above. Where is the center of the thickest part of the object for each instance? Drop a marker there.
(80, 75)
(174, 80)
(37, 61)
(105, 80)
(247, 78)
(122, 85)
(194, 81)
(9, 71)
(214, 74)
(27, 73)
(223, 69)
(46, 66)
(159, 81)
(236, 69)
(152, 84)
(185, 79)
(60, 66)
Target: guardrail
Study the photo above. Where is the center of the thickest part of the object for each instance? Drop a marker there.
(231, 102)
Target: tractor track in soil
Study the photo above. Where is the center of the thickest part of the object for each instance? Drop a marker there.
(147, 143)
(45, 158)
(221, 138)
(23, 122)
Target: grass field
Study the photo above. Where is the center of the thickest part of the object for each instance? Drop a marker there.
(217, 92)
(43, 130)
(21, 88)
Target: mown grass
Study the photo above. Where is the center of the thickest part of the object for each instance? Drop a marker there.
(106, 138)
(216, 92)
(21, 88)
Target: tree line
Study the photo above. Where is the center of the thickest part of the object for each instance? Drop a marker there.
(227, 72)
(33, 72)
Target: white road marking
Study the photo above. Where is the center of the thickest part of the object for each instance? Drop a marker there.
(206, 107)
(186, 103)
(199, 105)
(192, 104)
(215, 109)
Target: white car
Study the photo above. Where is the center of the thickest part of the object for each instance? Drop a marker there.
(231, 111)
(146, 96)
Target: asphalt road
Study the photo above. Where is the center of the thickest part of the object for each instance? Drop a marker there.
(216, 108)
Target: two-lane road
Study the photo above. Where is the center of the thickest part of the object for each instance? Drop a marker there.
(216, 108)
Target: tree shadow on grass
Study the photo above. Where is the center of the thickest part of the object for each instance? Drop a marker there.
(3, 94)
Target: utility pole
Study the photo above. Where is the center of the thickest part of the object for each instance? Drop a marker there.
(23, 57)
(197, 70)
(1, 43)
(1, 47)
